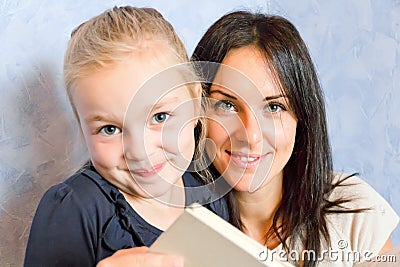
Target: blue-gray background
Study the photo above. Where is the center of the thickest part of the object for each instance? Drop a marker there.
(354, 43)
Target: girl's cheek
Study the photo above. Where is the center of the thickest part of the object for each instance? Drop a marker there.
(106, 154)
(187, 142)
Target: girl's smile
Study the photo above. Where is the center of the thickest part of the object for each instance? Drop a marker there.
(143, 146)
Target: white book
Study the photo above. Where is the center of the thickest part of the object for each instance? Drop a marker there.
(206, 240)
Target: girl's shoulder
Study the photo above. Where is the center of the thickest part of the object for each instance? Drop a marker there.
(84, 185)
(79, 195)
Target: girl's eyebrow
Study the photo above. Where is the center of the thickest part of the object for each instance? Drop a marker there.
(100, 118)
(165, 101)
(94, 118)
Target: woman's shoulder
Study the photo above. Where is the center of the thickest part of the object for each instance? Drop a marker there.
(358, 191)
(359, 195)
(367, 229)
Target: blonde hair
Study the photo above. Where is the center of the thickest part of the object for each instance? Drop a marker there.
(108, 38)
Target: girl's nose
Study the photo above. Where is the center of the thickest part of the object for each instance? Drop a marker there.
(134, 142)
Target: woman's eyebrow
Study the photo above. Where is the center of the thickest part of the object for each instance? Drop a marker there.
(222, 93)
(269, 98)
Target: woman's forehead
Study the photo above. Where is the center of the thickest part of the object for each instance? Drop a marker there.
(246, 80)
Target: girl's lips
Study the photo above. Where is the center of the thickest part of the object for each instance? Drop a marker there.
(148, 172)
(244, 160)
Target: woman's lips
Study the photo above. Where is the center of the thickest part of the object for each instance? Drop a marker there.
(244, 160)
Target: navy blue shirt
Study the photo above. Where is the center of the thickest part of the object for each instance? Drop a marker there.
(85, 219)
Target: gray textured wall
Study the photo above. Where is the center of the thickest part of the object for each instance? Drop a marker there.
(355, 45)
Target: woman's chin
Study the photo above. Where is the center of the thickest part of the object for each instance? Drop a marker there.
(243, 185)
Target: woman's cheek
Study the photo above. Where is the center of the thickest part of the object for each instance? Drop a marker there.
(285, 138)
(216, 133)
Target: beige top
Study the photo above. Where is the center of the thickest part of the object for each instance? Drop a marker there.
(355, 237)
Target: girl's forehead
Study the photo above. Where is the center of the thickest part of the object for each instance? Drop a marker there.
(131, 83)
(173, 97)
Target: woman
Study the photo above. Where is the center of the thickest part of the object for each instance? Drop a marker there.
(301, 205)
(270, 143)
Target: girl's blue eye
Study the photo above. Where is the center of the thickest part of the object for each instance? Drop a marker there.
(160, 118)
(109, 130)
(225, 105)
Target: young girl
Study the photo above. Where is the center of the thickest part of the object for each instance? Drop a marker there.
(301, 209)
(140, 138)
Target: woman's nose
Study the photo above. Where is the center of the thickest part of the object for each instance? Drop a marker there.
(250, 130)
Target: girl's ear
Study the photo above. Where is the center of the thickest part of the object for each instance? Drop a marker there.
(197, 94)
(197, 90)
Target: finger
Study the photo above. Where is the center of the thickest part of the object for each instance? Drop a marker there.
(138, 257)
(158, 260)
(136, 250)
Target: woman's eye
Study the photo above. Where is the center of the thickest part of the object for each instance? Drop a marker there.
(274, 108)
(109, 130)
(225, 105)
(160, 118)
